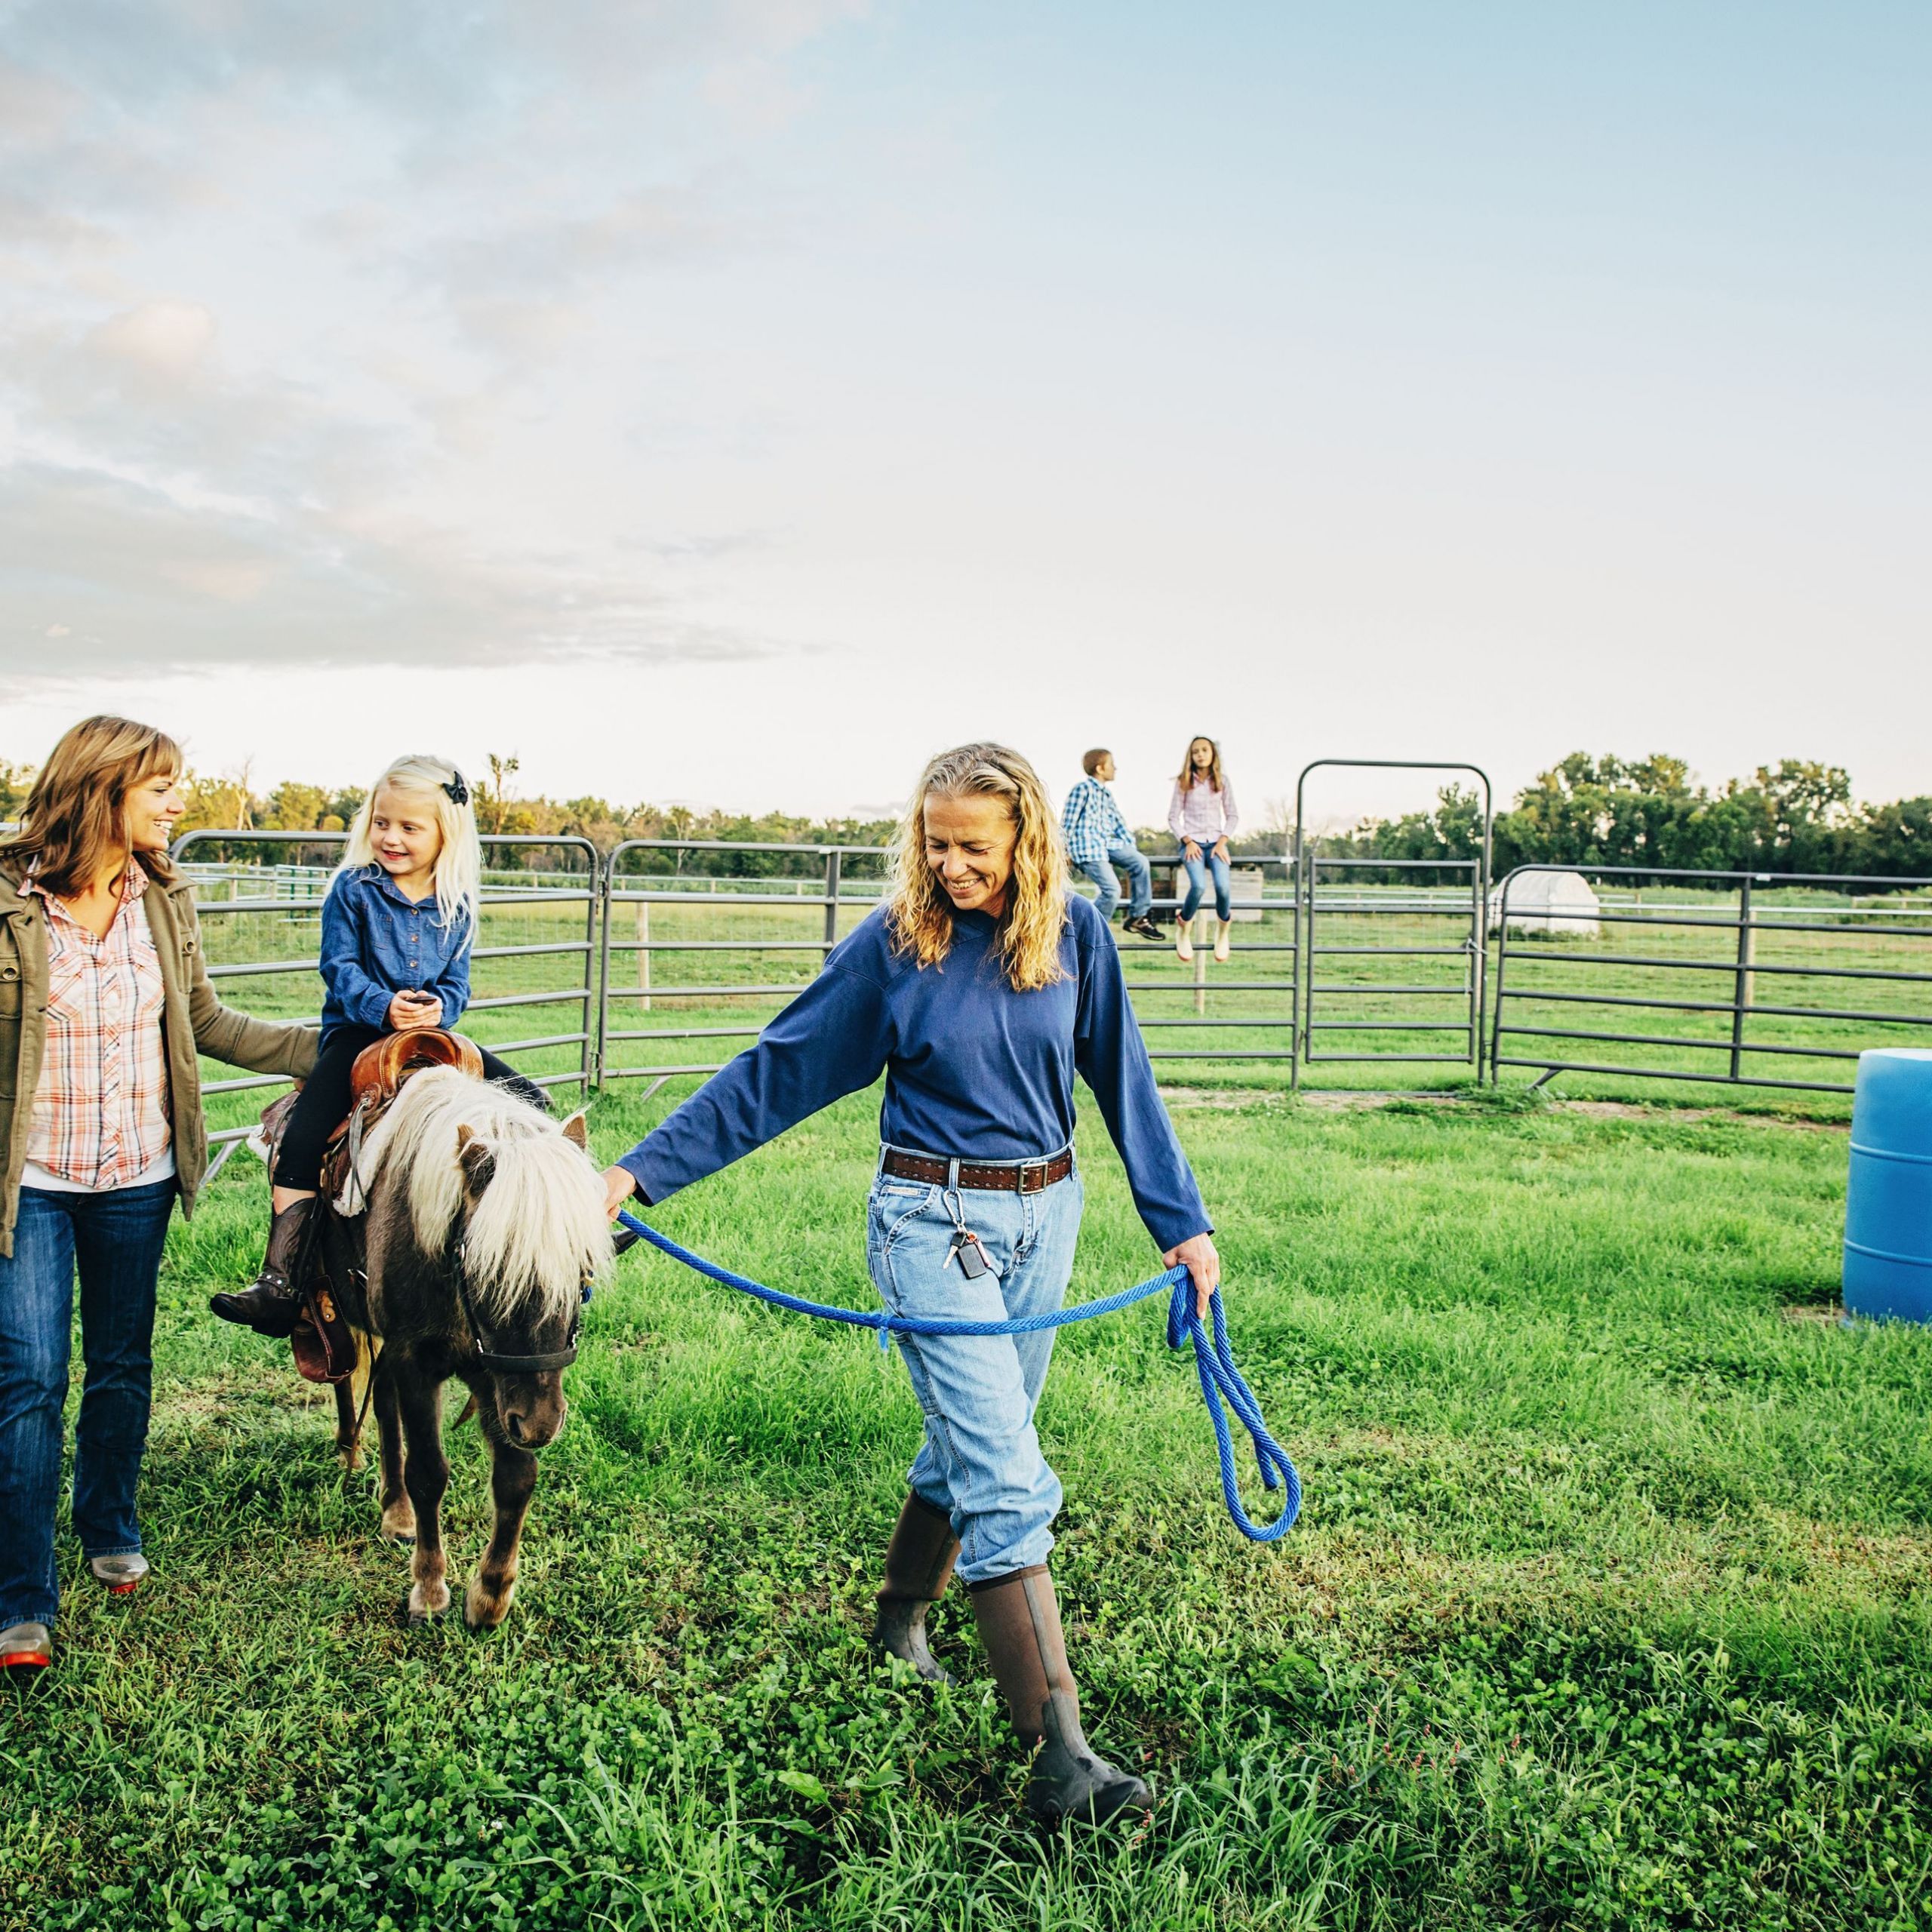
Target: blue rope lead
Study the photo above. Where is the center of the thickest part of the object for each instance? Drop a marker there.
(1220, 1380)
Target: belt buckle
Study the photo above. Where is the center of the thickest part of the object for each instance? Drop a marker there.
(1032, 1177)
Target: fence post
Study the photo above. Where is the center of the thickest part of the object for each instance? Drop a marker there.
(607, 882)
(643, 953)
(832, 869)
(1199, 924)
(1742, 998)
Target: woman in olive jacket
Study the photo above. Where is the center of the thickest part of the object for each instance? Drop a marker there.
(104, 1004)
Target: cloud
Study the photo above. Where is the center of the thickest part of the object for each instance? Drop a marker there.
(291, 290)
(193, 586)
(165, 340)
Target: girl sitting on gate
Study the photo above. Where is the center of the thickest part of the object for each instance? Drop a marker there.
(397, 925)
(1202, 816)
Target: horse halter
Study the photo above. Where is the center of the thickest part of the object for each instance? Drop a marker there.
(502, 1365)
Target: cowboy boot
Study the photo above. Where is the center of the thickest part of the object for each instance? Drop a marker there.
(271, 1305)
(919, 1561)
(1018, 1619)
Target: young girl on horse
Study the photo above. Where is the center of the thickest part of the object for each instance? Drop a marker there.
(397, 925)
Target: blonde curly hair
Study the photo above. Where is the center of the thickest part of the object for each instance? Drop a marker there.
(918, 912)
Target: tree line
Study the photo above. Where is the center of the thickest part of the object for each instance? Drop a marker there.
(1797, 816)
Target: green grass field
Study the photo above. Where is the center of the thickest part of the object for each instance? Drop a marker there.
(1610, 1605)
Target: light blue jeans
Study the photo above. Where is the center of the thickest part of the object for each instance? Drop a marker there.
(1198, 870)
(1130, 859)
(981, 1461)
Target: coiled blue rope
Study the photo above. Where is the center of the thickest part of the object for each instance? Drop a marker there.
(1221, 1382)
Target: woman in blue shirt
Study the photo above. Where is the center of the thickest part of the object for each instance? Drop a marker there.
(397, 925)
(979, 988)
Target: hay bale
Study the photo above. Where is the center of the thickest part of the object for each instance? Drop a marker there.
(1552, 905)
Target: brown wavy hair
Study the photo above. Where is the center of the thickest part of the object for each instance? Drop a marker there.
(1186, 781)
(918, 912)
(73, 825)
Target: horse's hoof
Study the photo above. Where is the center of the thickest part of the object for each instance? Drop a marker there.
(485, 1609)
(399, 1523)
(425, 1610)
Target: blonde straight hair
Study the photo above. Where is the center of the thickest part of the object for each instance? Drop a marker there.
(458, 873)
(918, 912)
(73, 825)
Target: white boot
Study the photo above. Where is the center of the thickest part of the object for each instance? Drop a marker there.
(1224, 927)
(1183, 938)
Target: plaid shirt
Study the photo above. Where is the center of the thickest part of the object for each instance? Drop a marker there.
(100, 1110)
(1091, 821)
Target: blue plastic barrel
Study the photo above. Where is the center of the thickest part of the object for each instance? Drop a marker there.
(1888, 1202)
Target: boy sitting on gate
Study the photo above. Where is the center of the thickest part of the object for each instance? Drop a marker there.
(1098, 840)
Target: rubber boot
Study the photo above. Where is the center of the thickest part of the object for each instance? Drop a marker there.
(271, 1306)
(1018, 1619)
(918, 1564)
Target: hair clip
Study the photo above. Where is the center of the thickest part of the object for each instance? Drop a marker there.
(459, 792)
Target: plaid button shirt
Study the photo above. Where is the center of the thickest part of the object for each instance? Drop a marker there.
(100, 1109)
(1091, 821)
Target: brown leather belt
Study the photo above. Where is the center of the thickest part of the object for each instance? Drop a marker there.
(995, 1176)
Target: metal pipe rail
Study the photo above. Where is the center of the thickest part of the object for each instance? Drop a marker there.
(1312, 904)
(577, 885)
(1511, 1039)
(649, 896)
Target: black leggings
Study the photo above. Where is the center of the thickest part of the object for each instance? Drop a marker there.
(323, 1104)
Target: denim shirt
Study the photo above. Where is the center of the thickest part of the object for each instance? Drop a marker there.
(376, 944)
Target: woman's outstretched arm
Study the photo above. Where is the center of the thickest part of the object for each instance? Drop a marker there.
(830, 1042)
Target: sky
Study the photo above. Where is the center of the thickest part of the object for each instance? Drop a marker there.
(732, 404)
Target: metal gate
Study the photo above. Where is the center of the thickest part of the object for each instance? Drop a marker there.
(699, 942)
(1389, 1003)
(261, 922)
(701, 936)
(1246, 1004)
(1696, 962)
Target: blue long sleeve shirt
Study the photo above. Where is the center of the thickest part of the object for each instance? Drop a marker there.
(972, 1068)
(376, 942)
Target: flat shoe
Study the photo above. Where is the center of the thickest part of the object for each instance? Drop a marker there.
(26, 1647)
(120, 1573)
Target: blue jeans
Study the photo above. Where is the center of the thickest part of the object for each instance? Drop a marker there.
(1197, 883)
(981, 1461)
(116, 1237)
(1140, 881)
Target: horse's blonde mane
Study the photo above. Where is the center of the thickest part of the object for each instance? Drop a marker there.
(540, 1228)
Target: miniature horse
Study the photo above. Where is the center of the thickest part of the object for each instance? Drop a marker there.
(485, 1228)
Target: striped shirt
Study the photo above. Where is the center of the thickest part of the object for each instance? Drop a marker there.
(100, 1115)
(1091, 822)
(1202, 814)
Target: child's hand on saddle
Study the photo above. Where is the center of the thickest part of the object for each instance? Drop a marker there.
(409, 1011)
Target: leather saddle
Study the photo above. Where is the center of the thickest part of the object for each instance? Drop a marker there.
(324, 1340)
